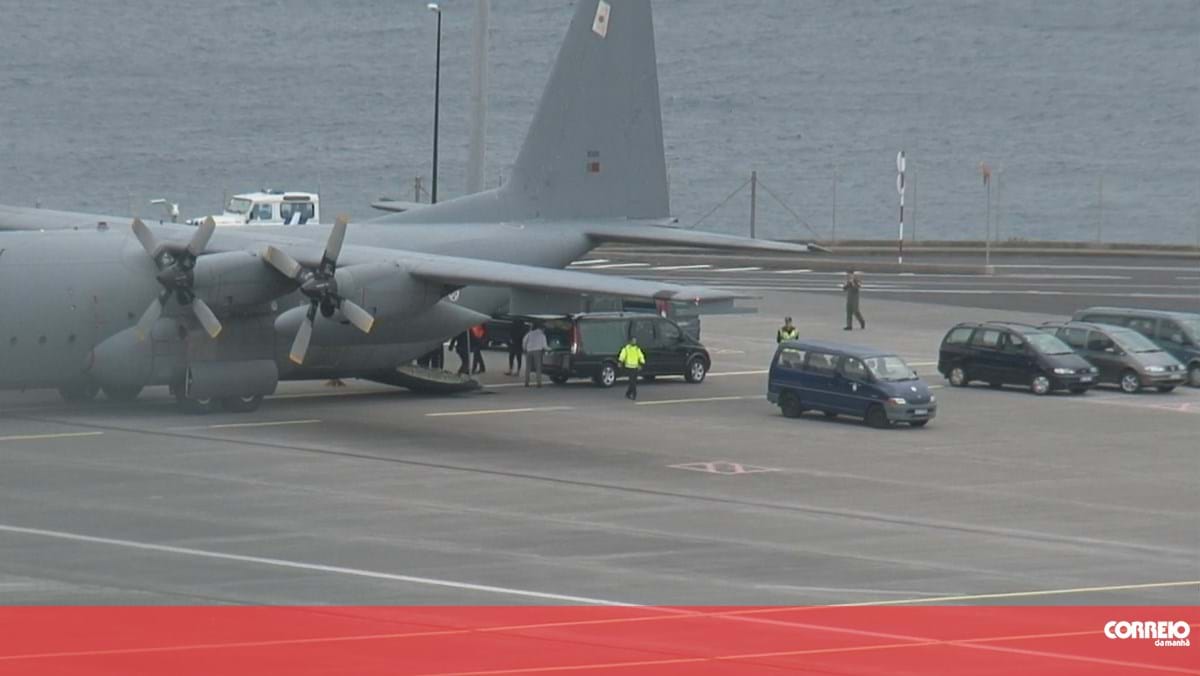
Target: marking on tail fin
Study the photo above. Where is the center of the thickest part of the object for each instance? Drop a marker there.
(600, 23)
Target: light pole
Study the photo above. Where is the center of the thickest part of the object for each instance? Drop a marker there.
(437, 94)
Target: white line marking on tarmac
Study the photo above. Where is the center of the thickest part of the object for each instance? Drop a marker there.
(697, 400)
(790, 272)
(494, 411)
(739, 373)
(613, 266)
(300, 565)
(593, 261)
(1189, 279)
(736, 269)
(1026, 594)
(273, 423)
(60, 435)
(682, 267)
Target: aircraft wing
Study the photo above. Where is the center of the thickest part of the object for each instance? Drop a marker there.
(457, 272)
(28, 218)
(628, 233)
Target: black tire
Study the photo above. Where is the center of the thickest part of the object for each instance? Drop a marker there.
(790, 406)
(607, 377)
(79, 392)
(1129, 382)
(696, 370)
(1165, 388)
(877, 417)
(1040, 384)
(558, 380)
(958, 376)
(196, 406)
(919, 423)
(123, 393)
(242, 404)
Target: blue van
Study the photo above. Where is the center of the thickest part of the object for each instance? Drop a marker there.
(838, 379)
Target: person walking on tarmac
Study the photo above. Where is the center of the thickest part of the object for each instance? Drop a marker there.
(461, 344)
(516, 347)
(534, 345)
(632, 360)
(787, 331)
(852, 287)
(478, 338)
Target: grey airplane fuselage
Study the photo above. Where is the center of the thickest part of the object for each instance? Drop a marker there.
(73, 290)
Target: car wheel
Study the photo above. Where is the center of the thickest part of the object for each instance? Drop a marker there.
(696, 370)
(790, 405)
(919, 423)
(1166, 388)
(242, 404)
(193, 406)
(958, 377)
(1194, 375)
(79, 392)
(124, 393)
(877, 417)
(1129, 382)
(608, 375)
(1040, 384)
(558, 380)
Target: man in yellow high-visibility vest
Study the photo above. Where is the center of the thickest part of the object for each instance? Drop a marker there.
(632, 360)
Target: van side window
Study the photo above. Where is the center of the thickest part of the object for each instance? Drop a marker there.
(791, 359)
(603, 336)
(261, 212)
(959, 336)
(854, 369)
(668, 334)
(643, 330)
(1098, 342)
(1105, 319)
(1013, 344)
(987, 338)
(819, 362)
(1142, 326)
(1076, 338)
(1171, 332)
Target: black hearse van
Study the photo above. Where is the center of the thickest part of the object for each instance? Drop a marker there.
(586, 346)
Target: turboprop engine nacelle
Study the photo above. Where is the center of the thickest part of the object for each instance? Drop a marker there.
(237, 279)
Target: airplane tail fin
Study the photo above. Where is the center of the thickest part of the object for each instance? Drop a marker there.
(595, 147)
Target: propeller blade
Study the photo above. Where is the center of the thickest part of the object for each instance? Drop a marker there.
(151, 315)
(358, 316)
(303, 336)
(333, 248)
(207, 319)
(285, 264)
(204, 232)
(144, 236)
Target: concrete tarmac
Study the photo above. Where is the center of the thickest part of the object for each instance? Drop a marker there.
(696, 494)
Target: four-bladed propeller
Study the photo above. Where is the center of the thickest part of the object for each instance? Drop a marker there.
(319, 285)
(175, 263)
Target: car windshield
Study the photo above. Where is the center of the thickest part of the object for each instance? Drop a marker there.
(238, 205)
(889, 368)
(1047, 344)
(1132, 341)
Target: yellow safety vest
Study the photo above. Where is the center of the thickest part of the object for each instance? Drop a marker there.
(786, 334)
(631, 357)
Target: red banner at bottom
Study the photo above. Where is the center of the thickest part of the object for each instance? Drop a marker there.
(633, 641)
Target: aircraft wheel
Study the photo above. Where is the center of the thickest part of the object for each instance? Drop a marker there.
(242, 404)
(78, 392)
(123, 393)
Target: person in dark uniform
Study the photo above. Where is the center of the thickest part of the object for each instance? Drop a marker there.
(787, 331)
(852, 287)
(516, 338)
(478, 338)
(462, 347)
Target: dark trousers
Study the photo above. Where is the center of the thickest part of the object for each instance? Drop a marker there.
(852, 312)
(465, 368)
(514, 357)
(631, 391)
(480, 367)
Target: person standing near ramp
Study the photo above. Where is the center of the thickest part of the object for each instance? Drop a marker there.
(852, 287)
(632, 359)
(534, 346)
(787, 332)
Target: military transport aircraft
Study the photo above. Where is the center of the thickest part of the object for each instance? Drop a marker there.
(90, 303)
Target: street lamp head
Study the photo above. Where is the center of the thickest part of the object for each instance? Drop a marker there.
(433, 7)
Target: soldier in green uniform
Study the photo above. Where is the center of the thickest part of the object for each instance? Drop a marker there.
(852, 287)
